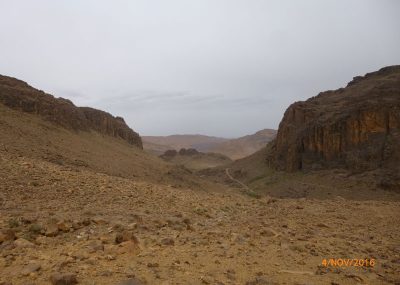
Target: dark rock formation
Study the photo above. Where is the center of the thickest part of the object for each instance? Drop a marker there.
(188, 151)
(357, 127)
(171, 153)
(18, 95)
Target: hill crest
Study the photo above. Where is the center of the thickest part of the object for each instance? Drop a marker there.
(235, 148)
(19, 95)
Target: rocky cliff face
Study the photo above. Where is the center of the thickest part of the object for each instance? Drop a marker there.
(19, 95)
(357, 127)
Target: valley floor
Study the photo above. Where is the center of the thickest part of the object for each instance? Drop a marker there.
(106, 230)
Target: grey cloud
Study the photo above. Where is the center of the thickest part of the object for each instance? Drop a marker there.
(219, 67)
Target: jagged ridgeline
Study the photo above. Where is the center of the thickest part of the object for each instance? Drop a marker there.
(18, 95)
(356, 127)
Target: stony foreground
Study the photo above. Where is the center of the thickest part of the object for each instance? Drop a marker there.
(61, 225)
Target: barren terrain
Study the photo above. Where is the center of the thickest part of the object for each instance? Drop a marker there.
(105, 230)
(233, 148)
(89, 206)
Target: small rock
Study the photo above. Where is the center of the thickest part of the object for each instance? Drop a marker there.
(64, 226)
(125, 236)
(23, 243)
(63, 279)
(86, 222)
(131, 281)
(230, 275)
(237, 238)
(106, 273)
(322, 225)
(30, 268)
(92, 261)
(129, 247)
(96, 245)
(51, 229)
(132, 226)
(355, 277)
(67, 261)
(206, 280)
(76, 225)
(167, 241)
(260, 281)
(110, 257)
(41, 240)
(267, 233)
(7, 235)
(99, 221)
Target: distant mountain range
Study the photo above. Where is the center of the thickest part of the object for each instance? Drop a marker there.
(233, 148)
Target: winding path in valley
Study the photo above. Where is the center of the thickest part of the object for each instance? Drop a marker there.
(244, 186)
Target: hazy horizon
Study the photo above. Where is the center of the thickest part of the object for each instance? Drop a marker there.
(216, 68)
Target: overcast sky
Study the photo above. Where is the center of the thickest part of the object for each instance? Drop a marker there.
(216, 67)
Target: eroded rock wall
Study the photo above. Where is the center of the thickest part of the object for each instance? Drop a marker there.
(357, 127)
(18, 95)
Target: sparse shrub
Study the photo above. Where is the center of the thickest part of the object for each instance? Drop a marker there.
(256, 178)
(200, 211)
(35, 229)
(30, 236)
(254, 195)
(13, 223)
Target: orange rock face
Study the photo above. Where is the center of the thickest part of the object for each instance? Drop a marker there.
(17, 94)
(357, 127)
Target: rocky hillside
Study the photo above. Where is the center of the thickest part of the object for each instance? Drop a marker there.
(18, 95)
(246, 145)
(233, 148)
(157, 144)
(356, 127)
(82, 207)
(195, 160)
(38, 126)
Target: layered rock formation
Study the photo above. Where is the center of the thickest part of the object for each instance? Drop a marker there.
(17, 94)
(357, 127)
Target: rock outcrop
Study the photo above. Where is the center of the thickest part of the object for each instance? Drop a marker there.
(189, 151)
(171, 153)
(356, 127)
(193, 159)
(18, 95)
